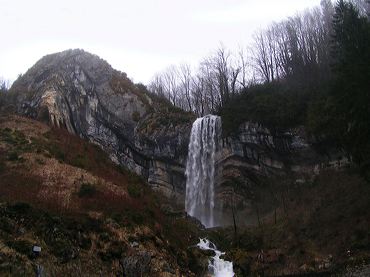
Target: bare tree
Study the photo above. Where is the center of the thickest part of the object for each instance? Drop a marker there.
(209, 83)
(186, 84)
(243, 65)
(296, 50)
(261, 56)
(363, 7)
(157, 85)
(298, 46)
(199, 98)
(170, 84)
(4, 85)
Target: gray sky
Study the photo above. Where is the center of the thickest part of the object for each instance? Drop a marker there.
(139, 37)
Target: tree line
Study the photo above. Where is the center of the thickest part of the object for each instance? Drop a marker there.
(296, 50)
(4, 87)
(311, 69)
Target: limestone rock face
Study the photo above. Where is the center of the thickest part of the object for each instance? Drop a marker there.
(84, 94)
(255, 155)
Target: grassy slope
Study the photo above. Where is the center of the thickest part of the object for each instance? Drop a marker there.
(64, 194)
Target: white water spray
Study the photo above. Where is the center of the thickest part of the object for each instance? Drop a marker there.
(200, 174)
(216, 266)
(200, 169)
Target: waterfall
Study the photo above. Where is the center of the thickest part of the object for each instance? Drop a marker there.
(200, 194)
(200, 169)
(217, 266)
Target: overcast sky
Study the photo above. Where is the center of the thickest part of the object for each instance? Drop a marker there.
(139, 37)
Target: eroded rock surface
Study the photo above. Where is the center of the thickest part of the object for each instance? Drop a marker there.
(83, 93)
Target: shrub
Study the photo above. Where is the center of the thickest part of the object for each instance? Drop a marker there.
(87, 190)
(13, 137)
(40, 161)
(85, 242)
(113, 252)
(21, 246)
(134, 190)
(80, 161)
(93, 225)
(104, 237)
(20, 208)
(56, 152)
(136, 217)
(2, 166)
(272, 105)
(13, 156)
(63, 249)
(6, 225)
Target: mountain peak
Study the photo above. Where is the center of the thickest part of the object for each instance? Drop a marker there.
(81, 92)
(68, 64)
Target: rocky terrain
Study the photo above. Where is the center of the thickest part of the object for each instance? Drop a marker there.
(254, 154)
(89, 216)
(299, 206)
(82, 93)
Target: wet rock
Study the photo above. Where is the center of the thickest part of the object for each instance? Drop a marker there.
(158, 242)
(198, 261)
(137, 264)
(306, 268)
(255, 152)
(134, 244)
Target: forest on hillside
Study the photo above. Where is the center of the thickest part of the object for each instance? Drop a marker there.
(312, 69)
(113, 178)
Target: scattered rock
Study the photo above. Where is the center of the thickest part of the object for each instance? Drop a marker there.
(134, 244)
(137, 264)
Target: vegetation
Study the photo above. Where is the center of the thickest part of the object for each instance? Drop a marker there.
(165, 117)
(273, 105)
(107, 207)
(86, 190)
(322, 218)
(332, 108)
(295, 50)
(311, 69)
(347, 102)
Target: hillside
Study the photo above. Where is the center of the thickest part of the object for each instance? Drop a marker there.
(92, 169)
(89, 216)
(312, 227)
(93, 217)
(82, 93)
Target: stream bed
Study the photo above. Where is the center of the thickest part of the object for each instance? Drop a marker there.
(217, 266)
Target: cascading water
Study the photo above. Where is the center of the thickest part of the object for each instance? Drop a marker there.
(217, 266)
(200, 174)
(200, 169)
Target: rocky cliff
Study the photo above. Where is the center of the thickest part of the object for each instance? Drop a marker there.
(84, 94)
(256, 157)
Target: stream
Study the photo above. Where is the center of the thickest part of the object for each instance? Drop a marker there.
(217, 267)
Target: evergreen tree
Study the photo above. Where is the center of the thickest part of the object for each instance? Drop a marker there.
(351, 91)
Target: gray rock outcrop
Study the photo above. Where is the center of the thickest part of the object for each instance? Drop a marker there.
(84, 94)
(256, 155)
